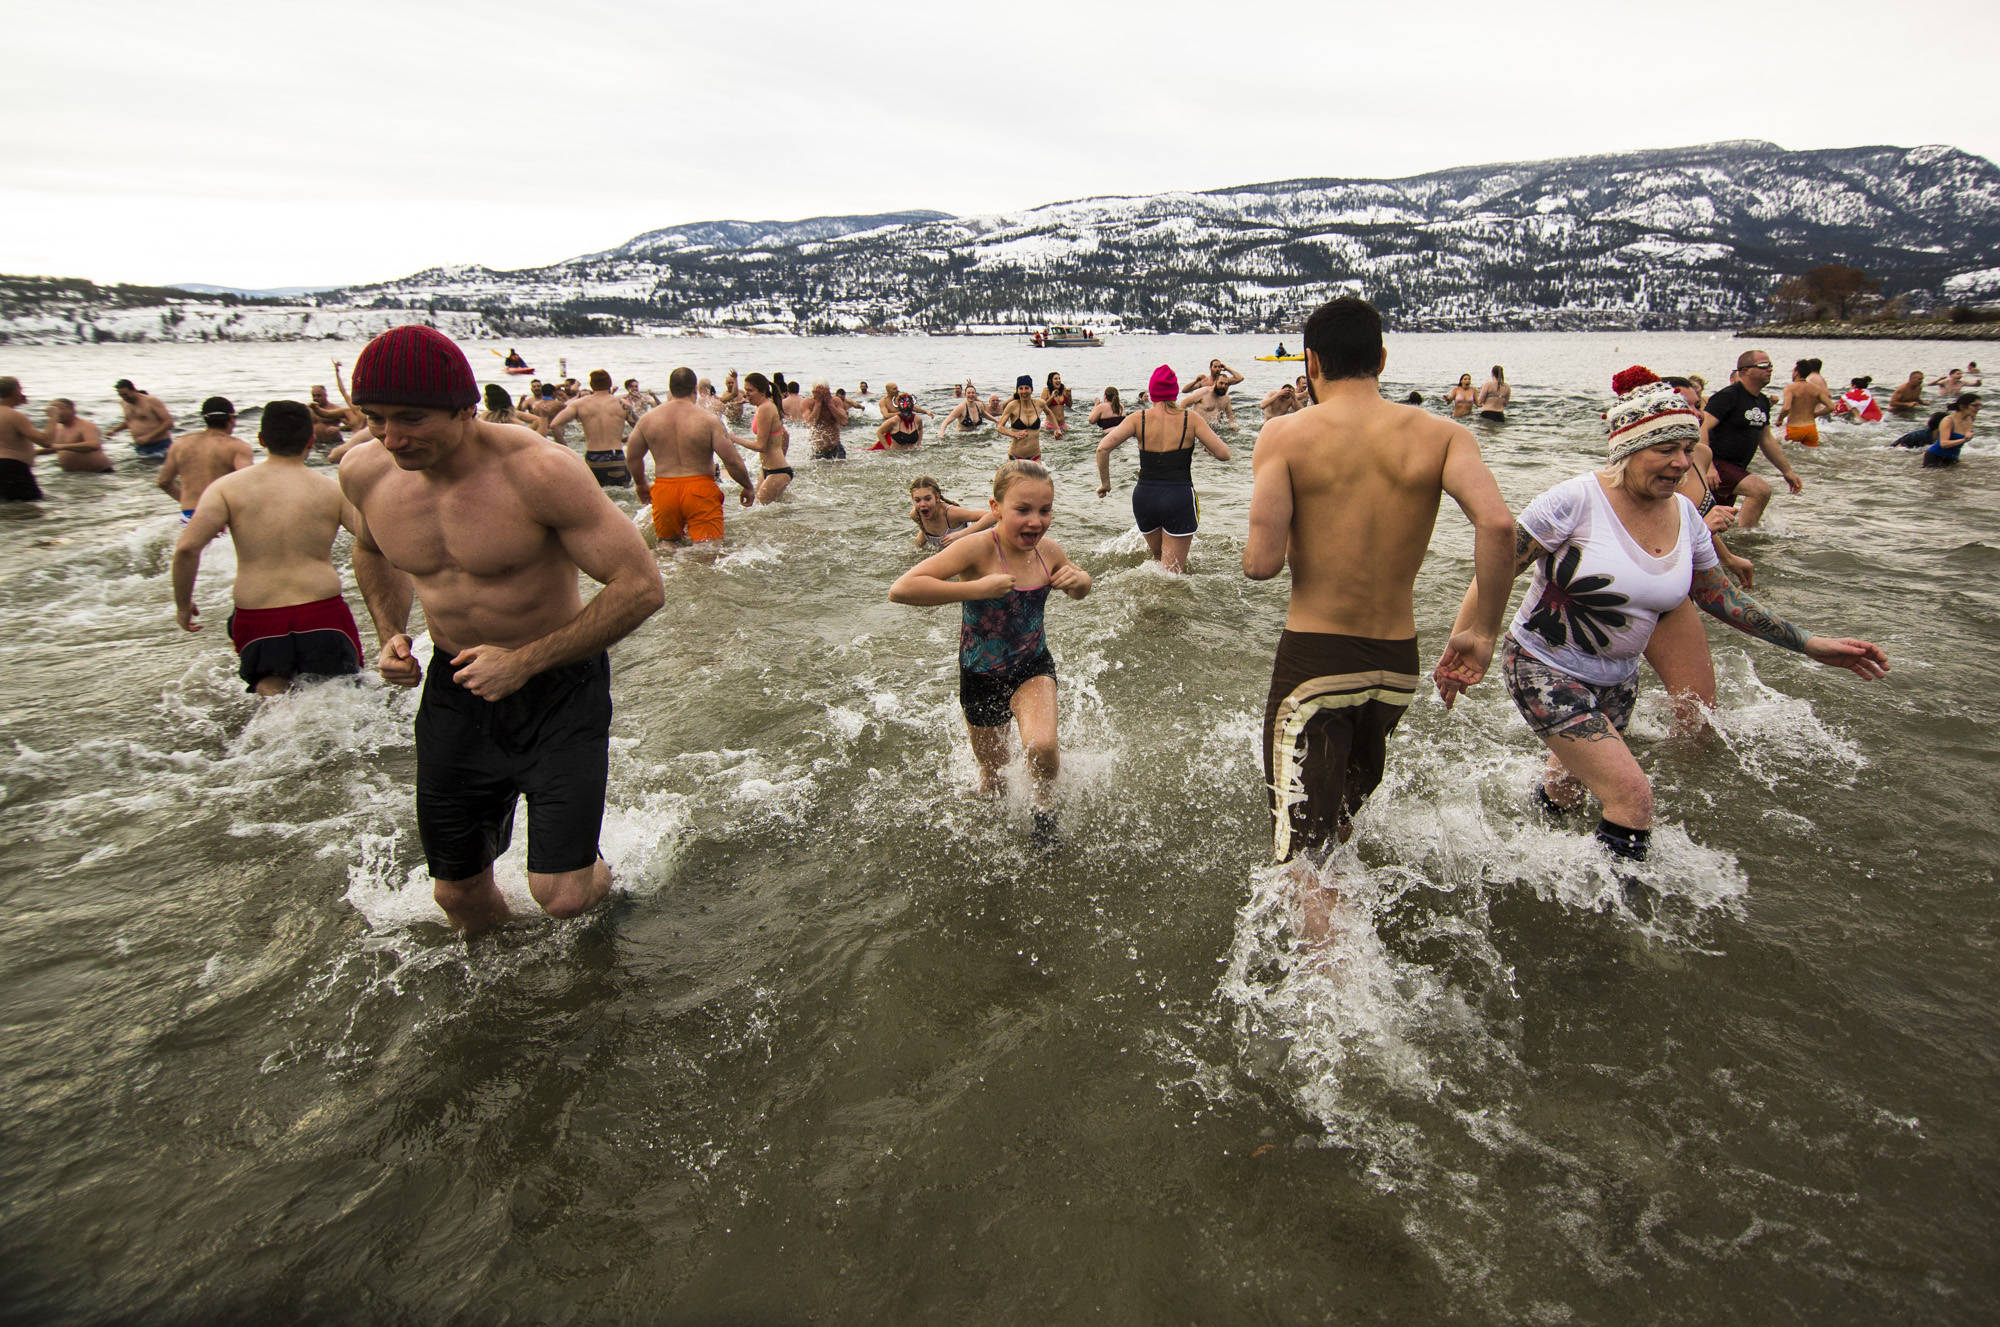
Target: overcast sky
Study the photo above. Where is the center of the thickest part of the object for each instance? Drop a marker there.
(270, 145)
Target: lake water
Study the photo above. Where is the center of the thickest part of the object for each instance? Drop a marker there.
(846, 1050)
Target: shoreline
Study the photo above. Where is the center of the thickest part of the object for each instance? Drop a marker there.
(1938, 331)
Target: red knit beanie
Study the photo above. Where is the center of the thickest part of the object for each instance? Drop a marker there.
(414, 365)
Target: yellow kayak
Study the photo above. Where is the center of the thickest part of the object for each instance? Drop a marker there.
(1271, 358)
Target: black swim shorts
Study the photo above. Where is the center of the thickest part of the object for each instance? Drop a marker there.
(987, 698)
(1334, 701)
(550, 740)
(1168, 507)
(609, 467)
(17, 482)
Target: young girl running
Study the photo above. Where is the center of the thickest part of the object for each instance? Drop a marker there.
(939, 520)
(1005, 671)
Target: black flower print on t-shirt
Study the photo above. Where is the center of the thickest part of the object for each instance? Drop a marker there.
(1573, 608)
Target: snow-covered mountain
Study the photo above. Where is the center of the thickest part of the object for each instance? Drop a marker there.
(1686, 237)
(1675, 238)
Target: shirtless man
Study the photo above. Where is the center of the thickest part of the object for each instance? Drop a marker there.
(794, 405)
(282, 517)
(1203, 401)
(637, 399)
(152, 424)
(1494, 396)
(684, 442)
(1949, 384)
(1347, 491)
(488, 525)
(197, 460)
(769, 438)
(1802, 404)
(1735, 426)
(1284, 401)
(1911, 394)
(604, 418)
(330, 421)
(19, 441)
(545, 408)
(75, 441)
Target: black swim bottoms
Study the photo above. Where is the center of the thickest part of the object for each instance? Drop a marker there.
(313, 640)
(609, 467)
(17, 482)
(774, 470)
(1169, 507)
(987, 698)
(1334, 701)
(1497, 416)
(550, 740)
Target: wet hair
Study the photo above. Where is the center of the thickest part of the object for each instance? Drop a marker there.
(1937, 418)
(1012, 472)
(759, 381)
(1800, 368)
(791, 389)
(10, 386)
(600, 381)
(1813, 365)
(1111, 395)
(1414, 398)
(286, 428)
(1862, 383)
(1499, 374)
(778, 384)
(1965, 399)
(1345, 335)
(498, 402)
(548, 391)
(681, 382)
(925, 481)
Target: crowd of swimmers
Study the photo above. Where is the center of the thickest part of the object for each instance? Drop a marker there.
(456, 499)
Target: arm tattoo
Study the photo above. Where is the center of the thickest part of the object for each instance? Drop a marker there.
(1526, 550)
(1722, 598)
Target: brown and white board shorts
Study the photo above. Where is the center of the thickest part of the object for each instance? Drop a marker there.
(1334, 701)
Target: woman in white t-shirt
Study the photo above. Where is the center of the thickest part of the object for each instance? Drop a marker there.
(1613, 551)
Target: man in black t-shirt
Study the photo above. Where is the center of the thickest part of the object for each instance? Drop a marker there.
(1736, 425)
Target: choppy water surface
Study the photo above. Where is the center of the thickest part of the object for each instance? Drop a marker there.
(846, 1050)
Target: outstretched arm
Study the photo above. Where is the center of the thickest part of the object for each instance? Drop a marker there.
(1719, 598)
(1454, 671)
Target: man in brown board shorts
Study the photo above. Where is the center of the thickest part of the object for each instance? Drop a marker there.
(1347, 492)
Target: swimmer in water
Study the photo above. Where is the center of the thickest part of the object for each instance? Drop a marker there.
(152, 424)
(1910, 394)
(1055, 403)
(1462, 397)
(902, 430)
(825, 414)
(1284, 401)
(1612, 551)
(1346, 496)
(1020, 420)
(282, 517)
(1006, 675)
(970, 412)
(939, 521)
(1218, 380)
(492, 530)
(499, 410)
(1109, 411)
(75, 441)
(769, 439)
(1802, 404)
(20, 441)
(604, 418)
(1494, 396)
(1953, 432)
(197, 460)
(684, 442)
(1163, 501)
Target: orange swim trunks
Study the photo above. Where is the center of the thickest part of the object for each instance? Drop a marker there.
(1805, 433)
(687, 504)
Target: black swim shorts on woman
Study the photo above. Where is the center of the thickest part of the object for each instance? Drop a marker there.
(550, 741)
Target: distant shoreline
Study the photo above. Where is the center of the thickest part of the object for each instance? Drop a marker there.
(1937, 331)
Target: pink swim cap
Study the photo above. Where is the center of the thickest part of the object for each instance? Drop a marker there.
(1164, 385)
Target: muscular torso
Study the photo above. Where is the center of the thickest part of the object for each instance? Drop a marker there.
(1800, 403)
(1365, 489)
(487, 570)
(282, 520)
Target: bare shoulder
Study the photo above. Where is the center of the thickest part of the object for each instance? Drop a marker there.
(550, 479)
(363, 466)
